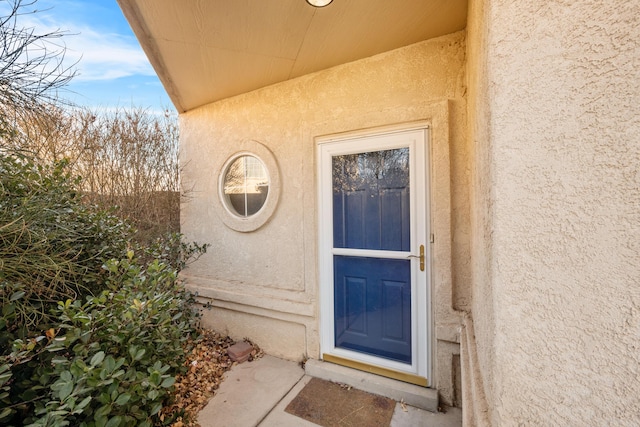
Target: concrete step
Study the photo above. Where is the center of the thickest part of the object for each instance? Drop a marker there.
(419, 397)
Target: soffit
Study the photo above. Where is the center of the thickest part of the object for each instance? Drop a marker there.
(207, 50)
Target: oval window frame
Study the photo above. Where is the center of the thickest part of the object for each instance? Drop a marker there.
(260, 218)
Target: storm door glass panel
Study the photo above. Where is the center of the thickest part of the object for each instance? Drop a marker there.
(372, 295)
(371, 200)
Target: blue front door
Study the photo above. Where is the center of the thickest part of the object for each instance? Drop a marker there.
(371, 211)
(373, 223)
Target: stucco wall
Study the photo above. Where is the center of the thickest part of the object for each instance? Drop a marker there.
(478, 362)
(557, 212)
(271, 273)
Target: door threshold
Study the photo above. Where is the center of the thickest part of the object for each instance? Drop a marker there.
(378, 370)
(365, 380)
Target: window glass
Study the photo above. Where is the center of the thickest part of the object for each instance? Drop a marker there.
(371, 197)
(246, 185)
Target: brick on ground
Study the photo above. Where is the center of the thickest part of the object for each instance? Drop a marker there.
(240, 352)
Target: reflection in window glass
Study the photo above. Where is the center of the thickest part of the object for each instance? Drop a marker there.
(371, 197)
(246, 185)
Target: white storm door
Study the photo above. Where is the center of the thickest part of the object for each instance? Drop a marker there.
(374, 253)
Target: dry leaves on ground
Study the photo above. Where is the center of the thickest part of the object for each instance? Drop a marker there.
(206, 362)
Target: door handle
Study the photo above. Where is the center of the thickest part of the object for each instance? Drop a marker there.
(421, 256)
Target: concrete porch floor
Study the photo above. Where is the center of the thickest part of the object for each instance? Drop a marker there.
(257, 393)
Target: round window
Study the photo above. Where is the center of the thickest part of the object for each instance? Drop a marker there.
(248, 186)
(245, 185)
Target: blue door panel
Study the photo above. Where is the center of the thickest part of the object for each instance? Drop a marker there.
(355, 317)
(394, 219)
(355, 208)
(367, 220)
(393, 325)
(372, 306)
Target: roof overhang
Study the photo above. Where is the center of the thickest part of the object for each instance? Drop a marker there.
(207, 50)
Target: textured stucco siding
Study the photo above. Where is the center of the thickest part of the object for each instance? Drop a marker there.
(559, 229)
(477, 353)
(264, 284)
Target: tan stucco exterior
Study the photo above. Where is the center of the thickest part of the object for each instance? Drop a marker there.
(264, 284)
(554, 122)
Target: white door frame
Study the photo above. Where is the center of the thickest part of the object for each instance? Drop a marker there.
(416, 137)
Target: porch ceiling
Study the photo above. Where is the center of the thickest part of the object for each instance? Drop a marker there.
(207, 50)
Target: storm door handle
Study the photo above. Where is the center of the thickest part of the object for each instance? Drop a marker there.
(421, 256)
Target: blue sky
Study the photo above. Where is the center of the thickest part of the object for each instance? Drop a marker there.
(112, 71)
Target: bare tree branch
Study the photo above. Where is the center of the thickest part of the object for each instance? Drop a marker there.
(32, 66)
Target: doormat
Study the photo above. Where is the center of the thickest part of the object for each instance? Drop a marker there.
(334, 405)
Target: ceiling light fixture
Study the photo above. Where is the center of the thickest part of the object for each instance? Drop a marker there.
(319, 3)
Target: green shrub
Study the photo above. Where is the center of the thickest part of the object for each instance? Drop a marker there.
(52, 246)
(172, 250)
(110, 361)
(89, 335)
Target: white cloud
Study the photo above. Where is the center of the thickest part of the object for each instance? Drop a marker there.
(99, 55)
(98, 38)
(106, 56)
